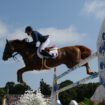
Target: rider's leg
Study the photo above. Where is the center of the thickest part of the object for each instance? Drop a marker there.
(43, 46)
(45, 53)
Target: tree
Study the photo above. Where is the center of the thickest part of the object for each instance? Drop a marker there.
(65, 96)
(20, 89)
(9, 87)
(45, 88)
(77, 93)
(12, 88)
(2, 92)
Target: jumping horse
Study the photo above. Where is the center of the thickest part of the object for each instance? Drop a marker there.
(70, 56)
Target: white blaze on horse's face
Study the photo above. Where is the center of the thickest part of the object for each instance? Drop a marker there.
(7, 52)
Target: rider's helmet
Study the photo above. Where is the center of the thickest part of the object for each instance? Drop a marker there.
(28, 29)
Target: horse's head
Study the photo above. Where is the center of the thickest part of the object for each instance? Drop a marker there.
(19, 46)
(8, 51)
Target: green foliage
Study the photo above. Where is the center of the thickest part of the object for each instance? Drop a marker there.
(77, 93)
(65, 97)
(85, 90)
(19, 89)
(65, 83)
(87, 102)
(12, 88)
(2, 91)
(45, 88)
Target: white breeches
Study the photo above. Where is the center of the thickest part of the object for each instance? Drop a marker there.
(45, 44)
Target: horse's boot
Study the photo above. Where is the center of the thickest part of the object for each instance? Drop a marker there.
(46, 54)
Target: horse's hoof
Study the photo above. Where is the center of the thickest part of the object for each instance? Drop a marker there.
(90, 73)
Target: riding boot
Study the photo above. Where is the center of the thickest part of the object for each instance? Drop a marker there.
(45, 53)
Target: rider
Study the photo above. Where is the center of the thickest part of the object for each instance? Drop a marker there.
(36, 36)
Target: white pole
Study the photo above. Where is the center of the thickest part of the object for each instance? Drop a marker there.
(54, 89)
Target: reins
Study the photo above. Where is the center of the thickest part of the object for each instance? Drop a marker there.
(13, 55)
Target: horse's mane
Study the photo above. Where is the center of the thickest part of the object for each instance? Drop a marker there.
(24, 43)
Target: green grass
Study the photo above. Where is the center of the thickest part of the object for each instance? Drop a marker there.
(87, 102)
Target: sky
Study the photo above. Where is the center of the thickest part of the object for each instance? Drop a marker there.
(68, 22)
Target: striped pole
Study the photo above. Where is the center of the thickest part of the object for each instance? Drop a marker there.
(95, 75)
(78, 65)
(54, 90)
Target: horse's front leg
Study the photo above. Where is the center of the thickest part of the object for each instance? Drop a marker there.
(20, 74)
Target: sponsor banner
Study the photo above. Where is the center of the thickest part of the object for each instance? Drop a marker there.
(101, 55)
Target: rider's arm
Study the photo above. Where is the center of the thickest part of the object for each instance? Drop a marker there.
(42, 38)
(38, 37)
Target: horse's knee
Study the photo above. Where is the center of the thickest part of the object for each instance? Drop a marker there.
(18, 72)
(19, 76)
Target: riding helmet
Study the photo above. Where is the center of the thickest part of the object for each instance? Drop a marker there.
(28, 29)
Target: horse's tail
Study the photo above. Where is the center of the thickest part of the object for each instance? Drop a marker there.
(85, 52)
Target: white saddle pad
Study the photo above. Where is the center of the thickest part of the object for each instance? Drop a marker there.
(53, 51)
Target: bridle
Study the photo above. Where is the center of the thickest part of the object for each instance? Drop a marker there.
(10, 51)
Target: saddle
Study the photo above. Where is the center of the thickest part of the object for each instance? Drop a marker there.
(53, 51)
(49, 52)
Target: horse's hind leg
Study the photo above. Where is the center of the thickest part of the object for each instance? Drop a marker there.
(20, 74)
(88, 70)
(84, 55)
(75, 59)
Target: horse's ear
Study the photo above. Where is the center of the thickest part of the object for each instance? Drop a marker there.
(7, 41)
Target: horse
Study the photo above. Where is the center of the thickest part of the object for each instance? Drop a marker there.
(69, 55)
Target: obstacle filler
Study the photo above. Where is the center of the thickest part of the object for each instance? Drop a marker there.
(100, 91)
(54, 95)
(78, 82)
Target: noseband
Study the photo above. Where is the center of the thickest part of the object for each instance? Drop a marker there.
(13, 55)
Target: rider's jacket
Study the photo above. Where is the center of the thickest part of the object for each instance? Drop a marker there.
(36, 36)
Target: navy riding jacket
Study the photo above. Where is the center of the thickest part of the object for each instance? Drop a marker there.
(36, 36)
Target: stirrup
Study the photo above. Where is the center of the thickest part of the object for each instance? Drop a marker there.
(46, 54)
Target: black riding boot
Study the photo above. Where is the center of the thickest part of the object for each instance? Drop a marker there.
(45, 53)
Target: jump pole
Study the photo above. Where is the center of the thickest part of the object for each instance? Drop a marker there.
(55, 93)
(95, 75)
(54, 96)
(101, 68)
(78, 65)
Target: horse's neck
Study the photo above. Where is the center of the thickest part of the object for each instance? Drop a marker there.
(23, 49)
(18, 47)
